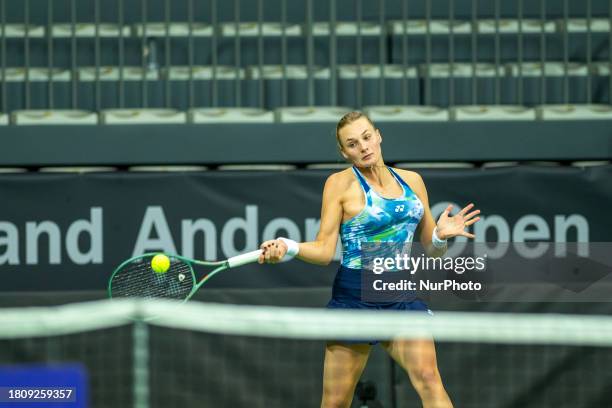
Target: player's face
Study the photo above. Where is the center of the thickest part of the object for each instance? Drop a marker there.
(360, 143)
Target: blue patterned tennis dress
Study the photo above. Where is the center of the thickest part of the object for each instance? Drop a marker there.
(381, 220)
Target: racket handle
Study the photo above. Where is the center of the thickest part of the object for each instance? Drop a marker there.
(243, 259)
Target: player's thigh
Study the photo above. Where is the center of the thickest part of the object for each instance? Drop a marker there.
(343, 366)
(414, 356)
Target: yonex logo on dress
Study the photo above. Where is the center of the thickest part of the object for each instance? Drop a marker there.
(399, 208)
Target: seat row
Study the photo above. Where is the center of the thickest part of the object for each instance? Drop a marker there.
(348, 71)
(289, 167)
(319, 29)
(435, 84)
(307, 115)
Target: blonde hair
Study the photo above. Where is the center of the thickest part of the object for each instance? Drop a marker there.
(347, 120)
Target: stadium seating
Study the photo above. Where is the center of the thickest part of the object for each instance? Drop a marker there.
(88, 30)
(406, 113)
(141, 116)
(296, 85)
(434, 68)
(54, 117)
(77, 169)
(21, 30)
(172, 29)
(327, 166)
(230, 115)
(591, 163)
(405, 62)
(434, 165)
(380, 56)
(499, 164)
(167, 169)
(368, 84)
(574, 112)
(310, 114)
(256, 167)
(492, 112)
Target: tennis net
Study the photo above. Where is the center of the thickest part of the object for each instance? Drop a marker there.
(158, 354)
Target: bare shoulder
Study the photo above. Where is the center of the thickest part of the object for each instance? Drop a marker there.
(340, 181)
(414, 179)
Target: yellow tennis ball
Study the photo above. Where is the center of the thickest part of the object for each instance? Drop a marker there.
(160, 263)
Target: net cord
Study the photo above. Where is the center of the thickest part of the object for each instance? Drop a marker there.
(305, 323)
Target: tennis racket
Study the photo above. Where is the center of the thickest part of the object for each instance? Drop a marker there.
(136, 278)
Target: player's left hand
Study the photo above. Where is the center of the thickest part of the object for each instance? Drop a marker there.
(454, 226)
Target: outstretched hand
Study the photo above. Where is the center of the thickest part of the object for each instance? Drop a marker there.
(454, 226)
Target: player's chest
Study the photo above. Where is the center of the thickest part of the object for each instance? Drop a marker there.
(376, 208)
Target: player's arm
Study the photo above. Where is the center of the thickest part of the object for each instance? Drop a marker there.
(320, 251)
(427, 224)
(447, 226)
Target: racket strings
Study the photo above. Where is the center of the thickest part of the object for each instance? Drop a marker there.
(137, 279)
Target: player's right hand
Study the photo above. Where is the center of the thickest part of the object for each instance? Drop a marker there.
(272, 251)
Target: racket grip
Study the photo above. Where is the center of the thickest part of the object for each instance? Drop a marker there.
(243, 259)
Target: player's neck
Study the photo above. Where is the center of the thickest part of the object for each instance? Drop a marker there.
(377, 173)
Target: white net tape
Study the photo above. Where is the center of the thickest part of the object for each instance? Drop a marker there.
(303, 323)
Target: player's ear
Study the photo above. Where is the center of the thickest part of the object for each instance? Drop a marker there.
(379, 135)
(341, 150)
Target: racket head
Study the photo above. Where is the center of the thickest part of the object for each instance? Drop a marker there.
(136, 278)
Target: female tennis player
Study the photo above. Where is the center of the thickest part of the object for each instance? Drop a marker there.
(371, 202)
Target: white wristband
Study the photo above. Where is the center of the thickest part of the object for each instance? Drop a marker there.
(292, 247)
(436, 241)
